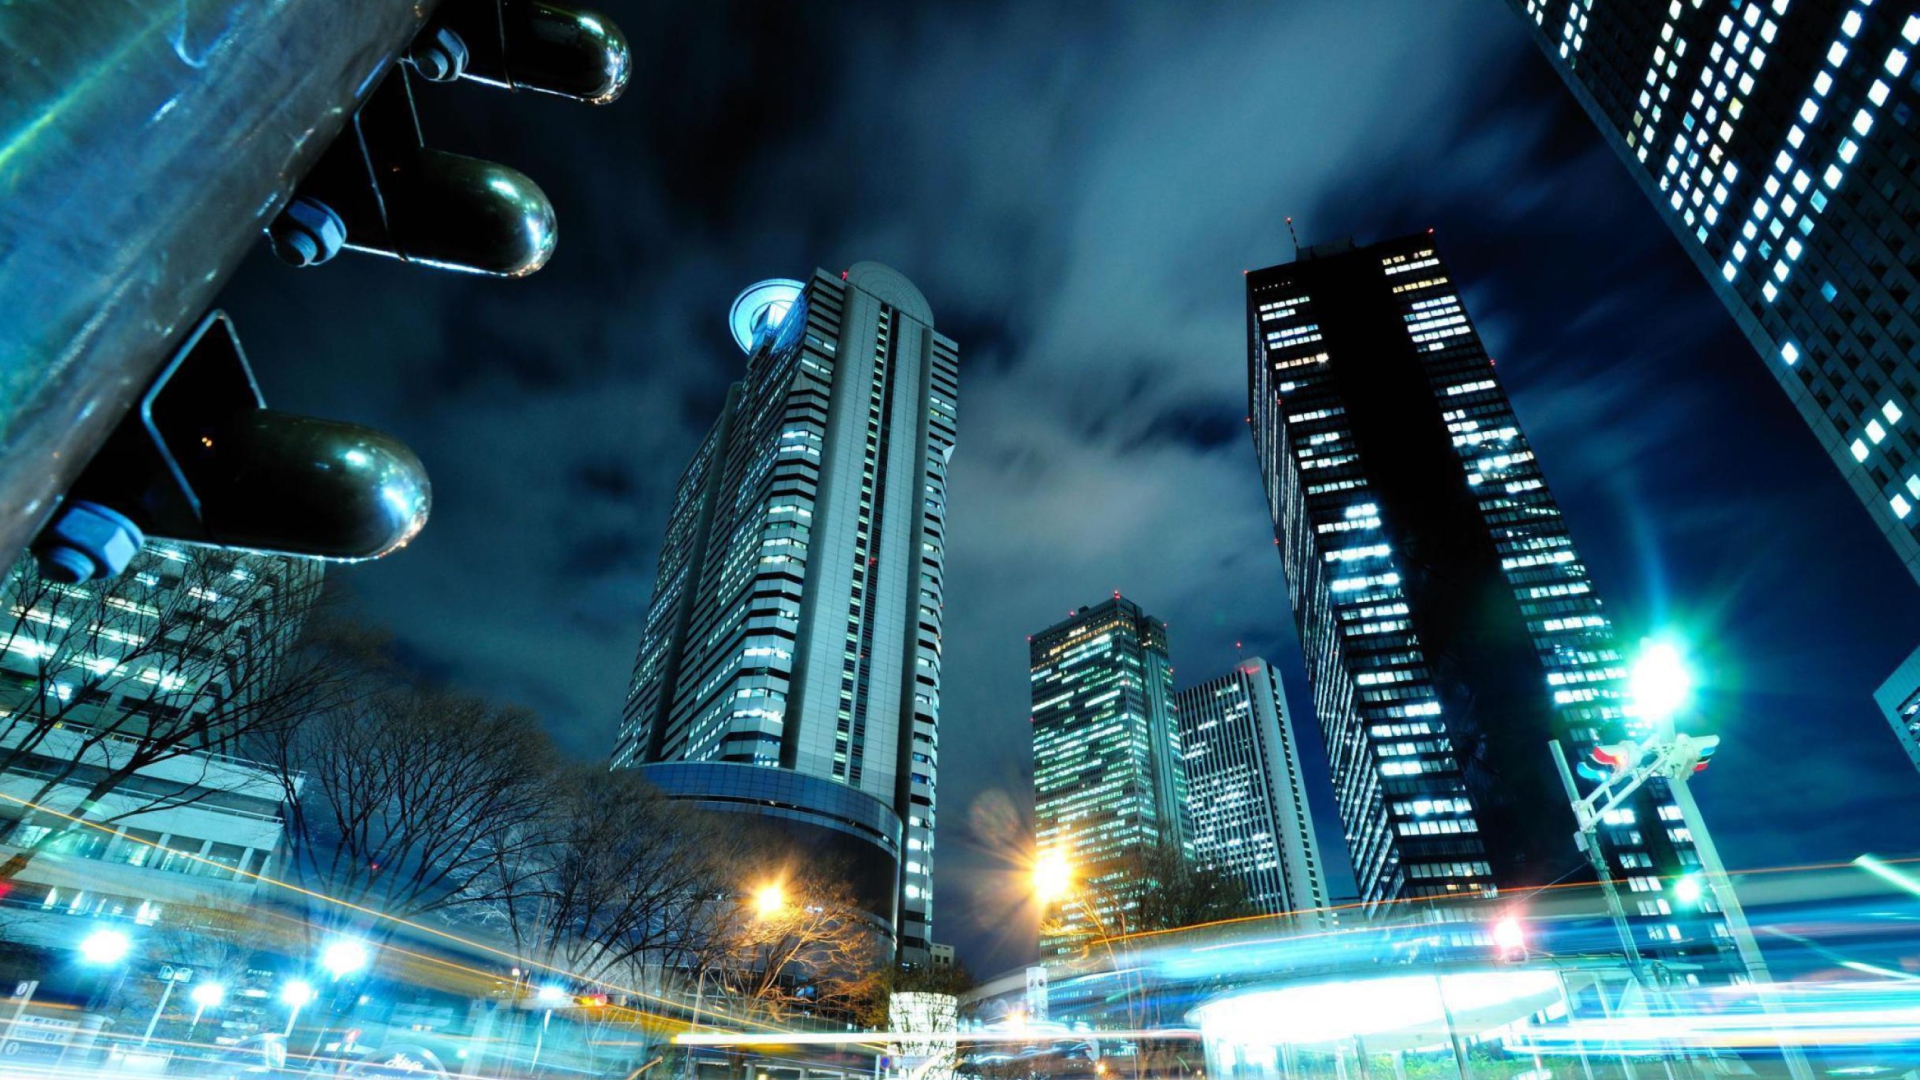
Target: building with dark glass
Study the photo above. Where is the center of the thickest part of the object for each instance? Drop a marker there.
(1778, 140)
(1247, 807)
(797, 608)
(1450, 627)
(1108, 778)
(1899, 699)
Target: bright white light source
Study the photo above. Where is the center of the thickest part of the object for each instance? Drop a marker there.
(552, 995)
(1660, 683)
(297, 993)
(207, 995)
(1687, 890)
(105, 946)
(1508, 935)
(344, 956)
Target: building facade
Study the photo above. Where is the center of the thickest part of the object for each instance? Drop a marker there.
(1246, 800)
(1108, 778)
(796, 615)
(122, 706)
(1899, 699)
(1778, 140)
(1449, 625)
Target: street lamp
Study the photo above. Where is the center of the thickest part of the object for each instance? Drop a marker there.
(345, 956)
(1052, 877)
(1687, 890)
(768, 901)
(298, 993)
(1660, 683)
(105, 947)
(1509, 938)
(552, 997)
(207, 995)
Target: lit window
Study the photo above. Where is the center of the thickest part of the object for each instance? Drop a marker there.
(1896, 62)
(1876, 432)
(1838, 53)
(1790, 353)
(1913, 486)
(1901, 507)
(1740, 249)
(1911, 31)
(1832, 176)
(1877, 93)
(1727, 271)
(1859, 450)
(1863, 121)
(1891, 412)
(1822, 83)
(1848, 148)
(1769, 292)
(1797, 136)
(1827, 290)
(1793, 249)
(1807, 112)
(1851, 26)
(1780, 270)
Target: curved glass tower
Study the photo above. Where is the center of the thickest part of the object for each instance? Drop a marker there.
(796, 613)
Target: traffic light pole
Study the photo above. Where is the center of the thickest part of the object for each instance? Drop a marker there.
(1673, 759)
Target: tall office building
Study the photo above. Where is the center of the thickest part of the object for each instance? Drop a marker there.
(790, 663)
(1107, 772)
(163, 675)
(1246, 802)
(1899, 699)
(1777, 137)
(1450, 627)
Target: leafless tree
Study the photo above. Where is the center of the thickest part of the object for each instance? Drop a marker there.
(182, 659)
(617, 879)
(413, 802)
(815, 951)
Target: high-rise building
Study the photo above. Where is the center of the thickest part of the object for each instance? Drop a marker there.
(126, 702)
(1777, 139)
(1450, 627)
(790, 662)
(1107, 773)
(1899, 699)
(1246, 801)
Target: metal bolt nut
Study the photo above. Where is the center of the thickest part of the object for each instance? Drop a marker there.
(85, 541)
(439, 56)
(307, 233)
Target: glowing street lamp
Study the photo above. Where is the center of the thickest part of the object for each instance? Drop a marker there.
(769, 900)
(206, 995)
(1509, 937)
(105, 947)
(551, 997)
(1687, 890)
(1052, 877)
(297, 993)
(345, 956)
(1660, 683)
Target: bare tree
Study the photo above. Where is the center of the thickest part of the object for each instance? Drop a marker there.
(813, 951)
(413, 802)
(618, 879)
(182, 659)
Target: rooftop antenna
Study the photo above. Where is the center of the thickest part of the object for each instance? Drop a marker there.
(1294, 235)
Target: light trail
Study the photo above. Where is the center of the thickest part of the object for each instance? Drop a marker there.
(836, 1038)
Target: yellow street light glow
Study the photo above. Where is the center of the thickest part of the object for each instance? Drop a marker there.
(769, 900)
(1052, 876)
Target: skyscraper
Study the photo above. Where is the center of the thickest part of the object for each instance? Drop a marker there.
(1107, 775)
(796, 614)
(1899, 699)
(1450, 627)
(1777, 138)
(1246, 801)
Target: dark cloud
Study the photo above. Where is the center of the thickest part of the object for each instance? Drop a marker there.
(1077, 188)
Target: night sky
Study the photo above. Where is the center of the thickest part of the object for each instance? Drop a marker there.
(1077, 188)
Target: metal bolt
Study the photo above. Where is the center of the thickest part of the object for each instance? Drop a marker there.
(307, 233)
(439, 56)
(85, 541)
